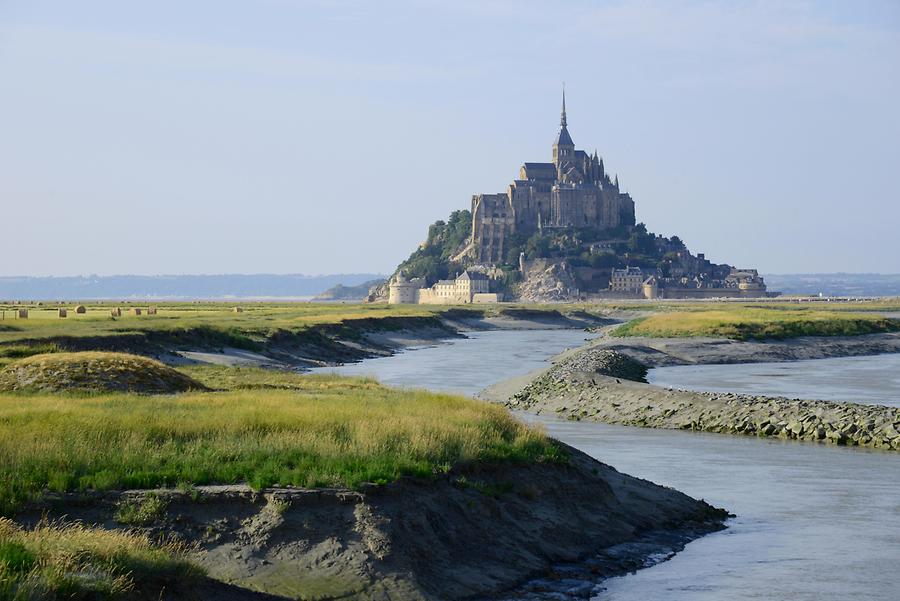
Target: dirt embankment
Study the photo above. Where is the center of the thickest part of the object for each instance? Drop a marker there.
(316, 346)
(472, 533)
(590, 385)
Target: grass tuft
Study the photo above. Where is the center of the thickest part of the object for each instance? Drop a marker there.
(141, 512)
(71, 561)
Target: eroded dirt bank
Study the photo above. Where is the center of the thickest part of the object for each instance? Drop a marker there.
(474, 533)
(599, 384)
(320, 345)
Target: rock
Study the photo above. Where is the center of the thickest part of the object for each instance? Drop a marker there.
(836, 435)
(889, 432)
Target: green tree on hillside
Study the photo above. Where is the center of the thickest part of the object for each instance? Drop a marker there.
(445, 238)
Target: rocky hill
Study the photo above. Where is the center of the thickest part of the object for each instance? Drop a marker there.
(341, 292)
(560, 264)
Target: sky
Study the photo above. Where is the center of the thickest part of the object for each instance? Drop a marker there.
(323, 136)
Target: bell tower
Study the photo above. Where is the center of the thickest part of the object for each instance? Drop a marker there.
(563, 147)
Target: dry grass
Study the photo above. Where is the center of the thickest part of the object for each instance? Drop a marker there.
(88, 372)
(744, 322)
(271, 428)
(73, 562)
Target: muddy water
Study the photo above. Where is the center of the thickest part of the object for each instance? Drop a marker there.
(874, 379)
(814, 522)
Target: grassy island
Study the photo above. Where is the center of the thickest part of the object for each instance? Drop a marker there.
(743, 322)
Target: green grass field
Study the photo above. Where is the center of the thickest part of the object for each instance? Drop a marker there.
(742, 322)
(255, 320)
(260, 326)
(188, 325)
(262, 428)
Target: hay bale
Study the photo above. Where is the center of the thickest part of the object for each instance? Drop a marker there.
(238, 310)
(117, 312)
(62, 312)
(80, 309)
(135, 310)
(151, 310)
(22, 313)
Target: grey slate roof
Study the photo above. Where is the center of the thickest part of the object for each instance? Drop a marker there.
(472, 275)
(563, 138)
(540, 170)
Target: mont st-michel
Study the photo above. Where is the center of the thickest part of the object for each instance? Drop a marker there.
(232, 370)
(564, 230)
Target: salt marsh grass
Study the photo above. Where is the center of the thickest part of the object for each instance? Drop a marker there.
(746, 322)
(266, 428)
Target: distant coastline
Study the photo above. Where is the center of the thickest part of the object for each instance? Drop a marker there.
(259, 287)
(835, 284)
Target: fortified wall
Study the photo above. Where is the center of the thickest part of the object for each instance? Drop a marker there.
(468, 287)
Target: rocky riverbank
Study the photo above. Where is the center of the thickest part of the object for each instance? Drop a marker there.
(475, 532)
(605, 385)
(659, 352)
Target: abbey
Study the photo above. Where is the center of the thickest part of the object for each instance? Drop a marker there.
(562, 231)
(571, 191)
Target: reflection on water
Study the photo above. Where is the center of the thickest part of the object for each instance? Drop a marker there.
(814, 522)
(874, 379)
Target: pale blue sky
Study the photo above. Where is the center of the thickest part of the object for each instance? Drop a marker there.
(287, 136)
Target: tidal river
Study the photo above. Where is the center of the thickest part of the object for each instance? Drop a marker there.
(813, 522)
(874, 379)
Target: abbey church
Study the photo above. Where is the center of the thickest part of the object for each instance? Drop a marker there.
(573, 190)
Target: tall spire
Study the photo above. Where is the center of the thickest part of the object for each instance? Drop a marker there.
(562, 119)
(563, 148)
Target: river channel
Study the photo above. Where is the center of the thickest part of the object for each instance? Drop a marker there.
(814, 522)
(871, 380)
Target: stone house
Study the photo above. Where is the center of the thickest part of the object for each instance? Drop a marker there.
(629, 280)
